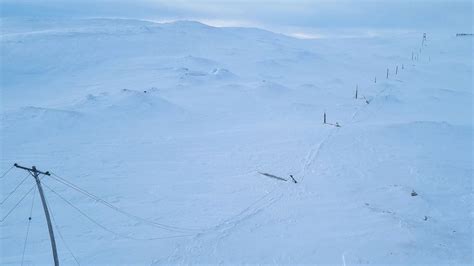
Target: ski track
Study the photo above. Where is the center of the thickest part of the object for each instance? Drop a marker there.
(226, 228)
(319, 161)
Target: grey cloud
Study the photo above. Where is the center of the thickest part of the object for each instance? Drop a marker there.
(270, 13)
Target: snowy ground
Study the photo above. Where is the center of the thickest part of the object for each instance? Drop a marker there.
(173, 123)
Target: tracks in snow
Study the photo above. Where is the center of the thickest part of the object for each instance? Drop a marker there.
(214, 235)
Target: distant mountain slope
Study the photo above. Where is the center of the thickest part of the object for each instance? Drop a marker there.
(157, 135)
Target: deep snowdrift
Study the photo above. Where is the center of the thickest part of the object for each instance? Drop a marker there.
(173, 123)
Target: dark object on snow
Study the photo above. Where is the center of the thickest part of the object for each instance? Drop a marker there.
(326, 123)
(413, 193)
(366, 101)
(273, 176)
(426, 218)
(464, 34)
(294, 180)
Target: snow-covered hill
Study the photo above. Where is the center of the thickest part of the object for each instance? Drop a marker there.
(174, 123)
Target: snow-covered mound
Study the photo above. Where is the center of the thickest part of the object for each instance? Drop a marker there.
(171, 125)
(271, 89)
(194, 62)
(222, 73)
(128, 102)
(33, 117)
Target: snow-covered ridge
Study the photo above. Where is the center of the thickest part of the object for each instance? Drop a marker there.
(174, 122)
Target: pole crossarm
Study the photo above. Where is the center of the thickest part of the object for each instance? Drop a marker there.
(35, 173)
(32, 169)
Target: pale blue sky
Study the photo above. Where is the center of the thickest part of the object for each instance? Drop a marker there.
(277, 15)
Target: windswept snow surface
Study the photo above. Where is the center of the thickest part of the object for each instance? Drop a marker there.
(173, 122)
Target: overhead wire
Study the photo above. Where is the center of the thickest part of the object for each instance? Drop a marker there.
(60, 234)
(6, 172)
(28, 226)
(91, 196)
(96, 198)
(103, 226)
(17, 204)
(14, 190)
(113, 207)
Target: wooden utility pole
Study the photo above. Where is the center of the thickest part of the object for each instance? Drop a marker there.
(35, 173)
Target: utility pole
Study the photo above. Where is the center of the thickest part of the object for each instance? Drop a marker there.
(35, 173)
(357, 89)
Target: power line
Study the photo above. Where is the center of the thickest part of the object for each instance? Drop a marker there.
(36, 174)
(13, 191)
(96, 198)
(104, 227)
(16, 205)
(28, 227)
(61, 235)
(6, 172)
(113, 207)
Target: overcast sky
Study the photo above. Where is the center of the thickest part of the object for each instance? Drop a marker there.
(277, 15)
